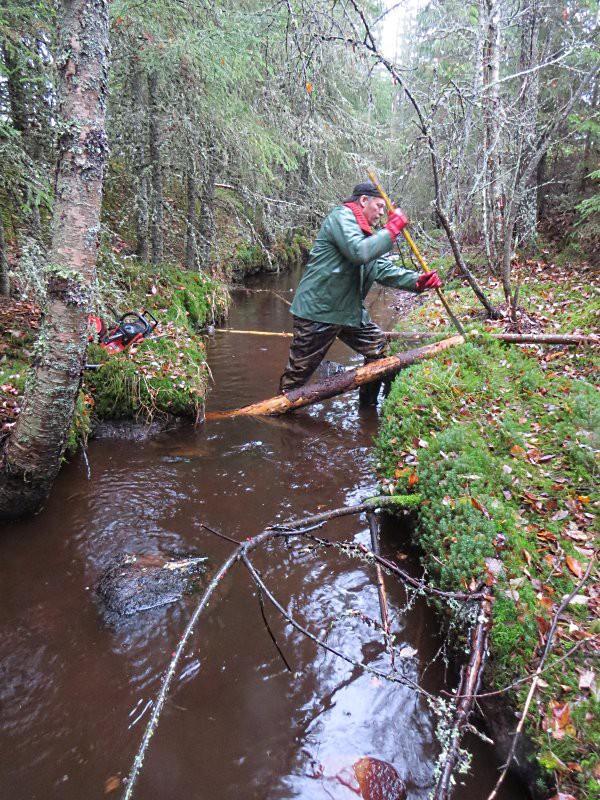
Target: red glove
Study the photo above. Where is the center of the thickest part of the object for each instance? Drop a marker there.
(397, 220)
(428, 280)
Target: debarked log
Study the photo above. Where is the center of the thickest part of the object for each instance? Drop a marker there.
(340, 383)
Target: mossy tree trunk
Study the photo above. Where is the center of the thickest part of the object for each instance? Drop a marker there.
(206, 222)
(191, 254)
(33, 453)
(139, 133)
(4, 280)
(154, 152)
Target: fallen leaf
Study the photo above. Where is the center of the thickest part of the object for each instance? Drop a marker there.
(574, 566)
(476, 504)
(517, 450)
(408, 652)
(586, 679)
(112, 784)
(561, 720)
(413, 478)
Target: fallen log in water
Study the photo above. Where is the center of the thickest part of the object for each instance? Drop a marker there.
(340, 383)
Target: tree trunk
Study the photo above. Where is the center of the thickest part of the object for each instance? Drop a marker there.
(139, 135)
(4, 280)
(33, 452)
(191, 254)
(541, 188)
(340, 383)
(490, 103)
(586, 165)
(154, 148)
(528, 110)
(206, 221)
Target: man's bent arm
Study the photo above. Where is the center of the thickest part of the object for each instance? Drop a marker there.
(387, 273)
(353, 244)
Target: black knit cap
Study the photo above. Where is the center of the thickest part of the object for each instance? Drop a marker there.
(367, 188)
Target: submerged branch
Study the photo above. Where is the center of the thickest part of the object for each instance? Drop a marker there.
(466, 696)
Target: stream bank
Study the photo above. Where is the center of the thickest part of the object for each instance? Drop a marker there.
(502, 444)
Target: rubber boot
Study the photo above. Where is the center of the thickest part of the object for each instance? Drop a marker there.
(368, 393)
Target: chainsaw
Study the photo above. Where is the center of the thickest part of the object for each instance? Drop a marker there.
(127, 330)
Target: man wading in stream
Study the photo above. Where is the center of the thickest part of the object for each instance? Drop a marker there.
(345, 261)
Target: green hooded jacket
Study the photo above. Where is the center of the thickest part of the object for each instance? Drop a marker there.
(342, 266)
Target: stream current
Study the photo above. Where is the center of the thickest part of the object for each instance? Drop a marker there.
(75, 695)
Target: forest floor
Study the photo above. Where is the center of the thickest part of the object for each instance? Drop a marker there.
(502, 442)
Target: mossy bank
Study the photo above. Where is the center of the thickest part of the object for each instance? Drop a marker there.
(501, 443)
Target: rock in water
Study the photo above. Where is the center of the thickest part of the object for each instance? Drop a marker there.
(378, 780)
(137, 583)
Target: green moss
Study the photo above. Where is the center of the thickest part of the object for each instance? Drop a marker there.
(82, 423)
(163, 376)
(287, 253)
(504, 457)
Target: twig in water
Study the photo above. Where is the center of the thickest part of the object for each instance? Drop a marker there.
(219, 534)
(171, 669)
(87, 463)
(383, 606)
(416, 583)
(270, 632)
(295, 624)
(534, 684)
(298, 528)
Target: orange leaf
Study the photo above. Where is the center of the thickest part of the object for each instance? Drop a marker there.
(517, 450)
(112, 784)
(413, 478)
(476, 504)
(309, 87)
(575, 567)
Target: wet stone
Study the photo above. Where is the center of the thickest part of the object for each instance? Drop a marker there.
(132, 584)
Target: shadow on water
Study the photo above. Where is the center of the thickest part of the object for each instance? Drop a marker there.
(75, 695)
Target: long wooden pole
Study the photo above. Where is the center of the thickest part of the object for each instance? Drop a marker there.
(418, 256)
(416, 336)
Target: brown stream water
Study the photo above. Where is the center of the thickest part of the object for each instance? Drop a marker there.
(75, 695)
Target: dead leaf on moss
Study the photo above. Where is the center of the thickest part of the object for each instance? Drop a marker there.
(574, 566)
(587, 679)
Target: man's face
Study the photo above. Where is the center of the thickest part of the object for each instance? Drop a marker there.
(373, 208)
